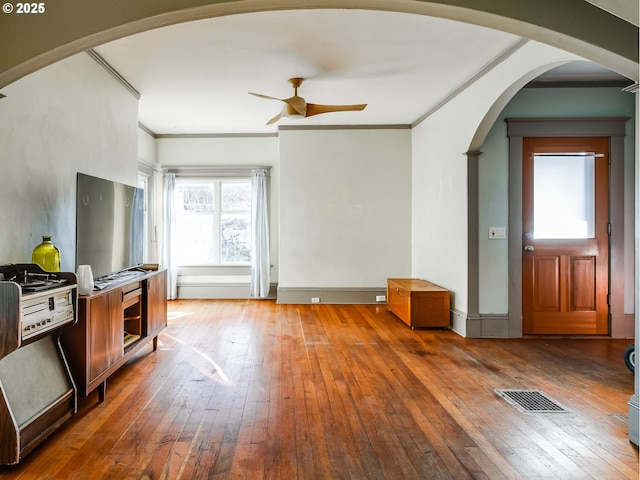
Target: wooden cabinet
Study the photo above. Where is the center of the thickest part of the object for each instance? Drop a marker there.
(418, 303)
(113, 324)
(156, 306)
(103, 317)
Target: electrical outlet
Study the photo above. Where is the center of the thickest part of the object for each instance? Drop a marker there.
(315, 299)
(381, 298)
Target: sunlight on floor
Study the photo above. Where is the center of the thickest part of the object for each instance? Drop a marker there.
(209, 360)
(176, 315)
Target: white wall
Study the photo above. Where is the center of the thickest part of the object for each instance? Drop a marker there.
(440, 205)
(345, 207)
(217, 150)
(229, 151)
(71, 116)
(340, 200)
(147, 148)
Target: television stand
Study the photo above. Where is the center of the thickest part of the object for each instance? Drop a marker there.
(116, 278)
(114, 323)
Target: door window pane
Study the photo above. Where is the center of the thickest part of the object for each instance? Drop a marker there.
(563, 196)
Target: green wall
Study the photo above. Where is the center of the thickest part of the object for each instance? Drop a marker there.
(493, 176)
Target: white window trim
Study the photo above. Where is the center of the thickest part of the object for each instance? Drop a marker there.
(221, 172)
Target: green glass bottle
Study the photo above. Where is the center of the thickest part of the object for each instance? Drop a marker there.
(47, 255)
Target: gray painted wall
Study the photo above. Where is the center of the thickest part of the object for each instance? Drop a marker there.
(71, 116)
(493, 177)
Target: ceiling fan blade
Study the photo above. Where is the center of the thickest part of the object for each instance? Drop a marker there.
(282, 113)
(315, 109)
(266, 96)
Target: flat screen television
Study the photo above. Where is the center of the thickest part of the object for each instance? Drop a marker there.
(109, 225)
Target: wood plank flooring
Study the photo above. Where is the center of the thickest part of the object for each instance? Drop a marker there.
(249, 389)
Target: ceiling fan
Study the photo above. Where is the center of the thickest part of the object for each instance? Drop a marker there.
(297, 107)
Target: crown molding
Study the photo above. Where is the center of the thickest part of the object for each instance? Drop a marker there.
(113, 72)
(147, 130)
(346, 127)
(578, 84)
(216, 135)
(504, 55)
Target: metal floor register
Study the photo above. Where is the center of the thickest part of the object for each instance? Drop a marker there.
(531, 401)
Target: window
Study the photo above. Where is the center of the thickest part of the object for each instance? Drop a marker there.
(564, 196)
(213, 221)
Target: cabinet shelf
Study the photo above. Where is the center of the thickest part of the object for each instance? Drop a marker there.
(130, 339)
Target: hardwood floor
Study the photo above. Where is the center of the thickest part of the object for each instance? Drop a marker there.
(251, 389)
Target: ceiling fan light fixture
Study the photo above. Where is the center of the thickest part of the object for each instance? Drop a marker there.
(293, 113)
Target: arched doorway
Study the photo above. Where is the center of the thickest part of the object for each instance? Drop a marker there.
(39, 40)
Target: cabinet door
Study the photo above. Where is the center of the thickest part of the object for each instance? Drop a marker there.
(156, 303)
(106, 332)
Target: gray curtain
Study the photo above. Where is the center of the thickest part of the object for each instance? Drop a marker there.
(260, 262)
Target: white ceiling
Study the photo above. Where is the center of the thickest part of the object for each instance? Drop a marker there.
(194, 78)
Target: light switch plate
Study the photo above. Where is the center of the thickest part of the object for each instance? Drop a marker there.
(497, 232)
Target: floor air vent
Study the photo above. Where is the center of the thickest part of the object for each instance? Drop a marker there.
(531, 401)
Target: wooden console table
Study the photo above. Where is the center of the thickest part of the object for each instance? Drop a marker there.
(418, 303)
(113, 324)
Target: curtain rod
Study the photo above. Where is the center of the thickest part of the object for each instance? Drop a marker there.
(214, 171)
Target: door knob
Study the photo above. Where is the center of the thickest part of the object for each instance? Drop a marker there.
(529, 248)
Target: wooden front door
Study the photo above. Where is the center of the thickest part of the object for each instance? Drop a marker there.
(565, 239)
